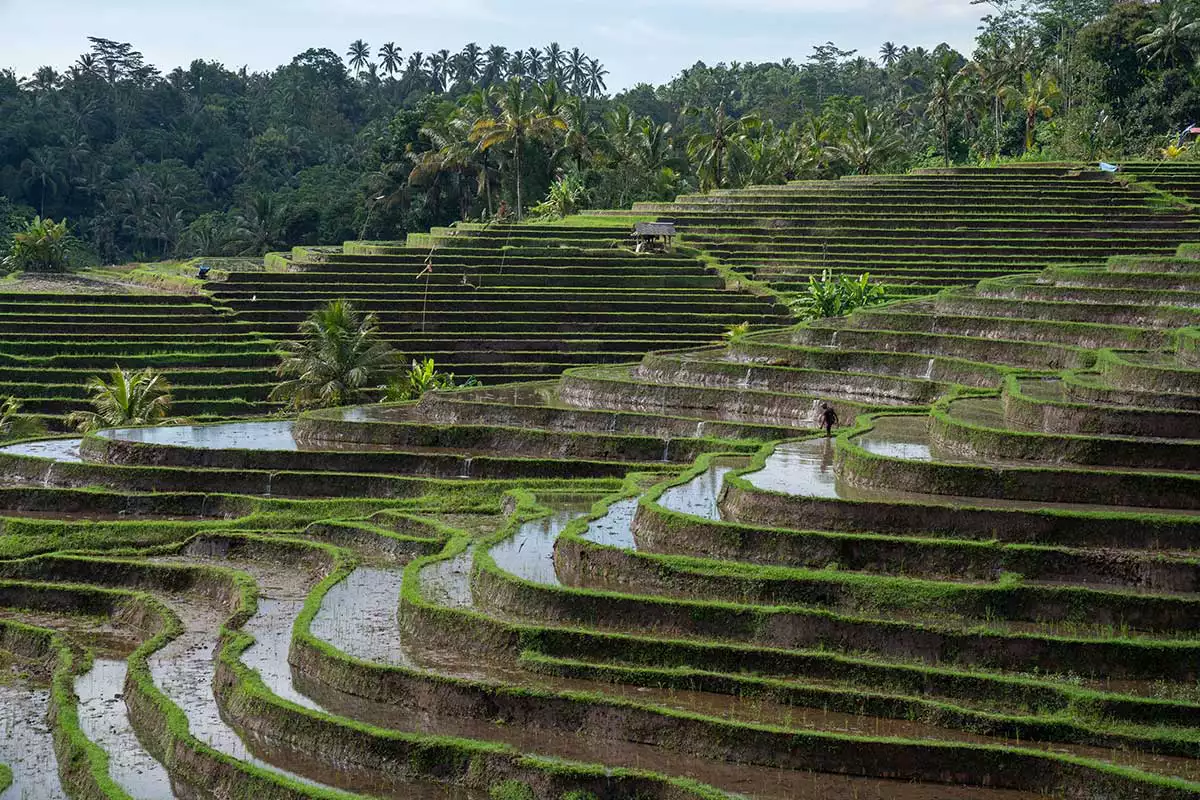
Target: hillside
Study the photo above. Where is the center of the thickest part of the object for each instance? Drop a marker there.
(652, 575)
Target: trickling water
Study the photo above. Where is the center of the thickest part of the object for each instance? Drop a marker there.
(700, 429)
(666, 456)
(47, 476)
(744, 383)
(929, 369)
(270, 480)
(833, 339)
(466, 468)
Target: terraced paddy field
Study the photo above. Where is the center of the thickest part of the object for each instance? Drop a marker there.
(649, 579)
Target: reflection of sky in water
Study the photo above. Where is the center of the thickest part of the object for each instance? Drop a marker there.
(57, 449)
(234, 436)
(529, 553)
(616, 527)
(800, 468)
(698, 496)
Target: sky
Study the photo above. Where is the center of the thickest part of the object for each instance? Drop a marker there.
(636, 41)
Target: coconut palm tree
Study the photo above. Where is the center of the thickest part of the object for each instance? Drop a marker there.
(1035, 97)
(14, 424)
(595, 78)
(468, 64)
(1172, 41)
(889, 54)
(577, 70)
(438, 67)
(415, 68)
(127, 398)
(533, 64)
(555, 60)
(338, 359)
(715, 144)
(390, 59)
(869, 142)
(945, 95)
(360, 55)
(518, 121)
(496, 66)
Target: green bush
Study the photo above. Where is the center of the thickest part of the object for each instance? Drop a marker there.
(837, 297)
(512, 790)
(422, 377)
(41, 247)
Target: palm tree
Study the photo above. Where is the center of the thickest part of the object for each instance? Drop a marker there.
(714, 146)
(416, 65)
(438, 65)
(945, 94)
(44, 169)
(995, 70)
(1034, 96)
(555, 60)
(534, 67)
(1171, 42)
(360, 54)
(518, 121)
(889, 54)
(469, 64)
(577, 70)
(337, 361)
(869, 142)
(128, 398)
(14, 424)
(390, 59)
(496, 67)
(595, 78)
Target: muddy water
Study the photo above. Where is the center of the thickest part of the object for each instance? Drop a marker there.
(615, 528)
(698, 496)
(529, 553)
(448, 582)
(65, 450)
(358, 616)
(344, 611)
(105, 720)
(806, 469)
(26, 745)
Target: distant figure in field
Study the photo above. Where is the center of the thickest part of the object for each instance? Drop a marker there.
(829, 418)
(502, 213)
(202, 273)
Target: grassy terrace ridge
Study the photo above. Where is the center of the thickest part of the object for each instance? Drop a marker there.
(632, 565)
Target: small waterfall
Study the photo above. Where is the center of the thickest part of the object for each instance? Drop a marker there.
(203, 503)
(270, 480)
(612, 424)
(744, 383)
(666, 456)
(833, 339)
(49, 474)
(700, 429)
(929, 370)
(466, 468)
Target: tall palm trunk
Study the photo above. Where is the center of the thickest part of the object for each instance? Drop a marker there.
(517, 146)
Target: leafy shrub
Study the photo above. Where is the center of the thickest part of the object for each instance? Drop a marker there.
(41, 247)
(567, 195)
(736, 333)
(128, 398)
(338, 360)
(512, 790)
(14, 424)
(837, 297)
(421, 377)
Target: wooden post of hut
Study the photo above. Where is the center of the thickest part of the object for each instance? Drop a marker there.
(653, 237)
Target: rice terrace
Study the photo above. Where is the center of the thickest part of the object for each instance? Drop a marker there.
(453, 427)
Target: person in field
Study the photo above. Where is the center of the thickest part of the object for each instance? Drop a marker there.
(828, 418)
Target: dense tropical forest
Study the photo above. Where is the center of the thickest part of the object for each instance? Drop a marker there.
(377, 141)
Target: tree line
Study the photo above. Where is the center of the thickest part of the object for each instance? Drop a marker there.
(207, 160)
